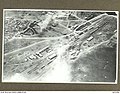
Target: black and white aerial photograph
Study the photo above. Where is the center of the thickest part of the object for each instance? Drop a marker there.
(60, 46)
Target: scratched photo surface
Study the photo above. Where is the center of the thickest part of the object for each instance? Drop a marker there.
(59, 46)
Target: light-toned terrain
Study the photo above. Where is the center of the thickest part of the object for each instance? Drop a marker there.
(68, 48)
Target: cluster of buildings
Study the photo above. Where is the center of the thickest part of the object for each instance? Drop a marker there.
(41, 54)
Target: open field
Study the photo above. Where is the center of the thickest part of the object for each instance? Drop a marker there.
(19, 43)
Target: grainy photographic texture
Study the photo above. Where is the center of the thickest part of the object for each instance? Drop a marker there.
(59, 46)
